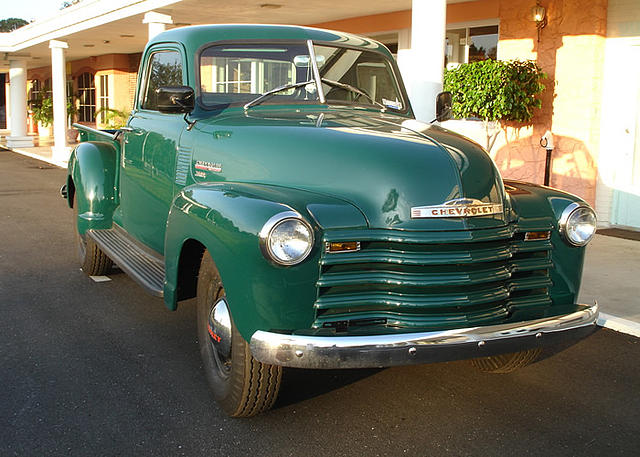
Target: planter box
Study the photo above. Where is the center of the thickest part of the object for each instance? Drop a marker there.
(45, 132)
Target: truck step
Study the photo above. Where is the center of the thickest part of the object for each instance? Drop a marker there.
(144, 267)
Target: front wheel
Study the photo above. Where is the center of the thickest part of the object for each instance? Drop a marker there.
(241, 385)
(507, 363)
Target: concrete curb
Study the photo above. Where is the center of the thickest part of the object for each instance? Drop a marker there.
(33, 155)
(619, 324)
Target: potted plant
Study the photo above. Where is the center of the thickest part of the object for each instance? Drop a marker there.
(495, 92)
(42, 110)
(43, 115)
(72, 133)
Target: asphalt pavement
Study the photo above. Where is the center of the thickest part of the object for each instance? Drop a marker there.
(103, 369)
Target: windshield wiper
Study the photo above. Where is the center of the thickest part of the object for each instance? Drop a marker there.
(259, 99)
(351, 88)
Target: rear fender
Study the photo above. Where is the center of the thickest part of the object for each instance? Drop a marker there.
(92, 178)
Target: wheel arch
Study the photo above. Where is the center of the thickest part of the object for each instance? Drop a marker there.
(188, 267)
(71, 191)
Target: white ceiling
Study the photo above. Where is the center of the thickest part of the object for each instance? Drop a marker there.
(129, 35)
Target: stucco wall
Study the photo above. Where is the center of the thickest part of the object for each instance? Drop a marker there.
(571, 52)
(398, 20)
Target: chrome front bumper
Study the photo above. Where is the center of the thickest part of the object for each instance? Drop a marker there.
(326, 352)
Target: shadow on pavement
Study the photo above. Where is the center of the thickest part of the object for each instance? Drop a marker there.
(299, 385)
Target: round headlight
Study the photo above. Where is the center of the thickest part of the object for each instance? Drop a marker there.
(578, 224)
(286, 238)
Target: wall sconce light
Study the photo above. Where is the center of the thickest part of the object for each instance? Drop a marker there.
(539, 16)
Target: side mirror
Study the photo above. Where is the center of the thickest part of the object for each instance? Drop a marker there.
(443, 106)
(175, 99)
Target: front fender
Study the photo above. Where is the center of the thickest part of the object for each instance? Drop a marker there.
(536, 202)
(93, 169)
(226, 218)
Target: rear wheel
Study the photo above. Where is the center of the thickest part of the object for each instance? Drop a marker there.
(506, 363)
(93, 260)
(241, 385)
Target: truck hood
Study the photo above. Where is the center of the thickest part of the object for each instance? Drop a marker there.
(383, 164)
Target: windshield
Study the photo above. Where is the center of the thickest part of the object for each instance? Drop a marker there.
(369, 72)
(240, 73)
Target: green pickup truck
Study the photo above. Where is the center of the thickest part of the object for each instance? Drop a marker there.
(277, 174)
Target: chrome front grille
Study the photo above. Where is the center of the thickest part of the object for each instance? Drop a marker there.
(432, 279)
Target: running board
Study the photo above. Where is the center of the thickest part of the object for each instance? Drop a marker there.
(144, 267)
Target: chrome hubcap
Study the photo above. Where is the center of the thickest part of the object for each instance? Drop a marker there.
(219, 328)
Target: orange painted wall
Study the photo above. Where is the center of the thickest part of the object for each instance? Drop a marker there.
(117, 62)
(456, 12)
(370, 24)
(472, 11)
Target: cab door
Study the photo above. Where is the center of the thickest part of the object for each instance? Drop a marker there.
(151, 141)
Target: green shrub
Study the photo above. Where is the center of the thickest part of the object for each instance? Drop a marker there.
(113, 118)
(495, 90)
(43, 111)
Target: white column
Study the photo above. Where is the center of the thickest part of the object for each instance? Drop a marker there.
(18, 96)
(404, 55)
(59, 89)
(422, 67)
(7, 93)
(157, 22)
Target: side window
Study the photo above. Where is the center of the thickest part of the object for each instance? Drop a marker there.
(164, 69)
(87, 96)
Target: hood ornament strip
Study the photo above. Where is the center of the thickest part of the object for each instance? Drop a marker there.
(459, 207)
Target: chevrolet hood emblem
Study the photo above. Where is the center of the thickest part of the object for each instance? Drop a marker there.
(459, 207)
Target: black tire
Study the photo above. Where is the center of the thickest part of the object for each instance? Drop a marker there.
(93, 260)
(507, 363)
(241, 385)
